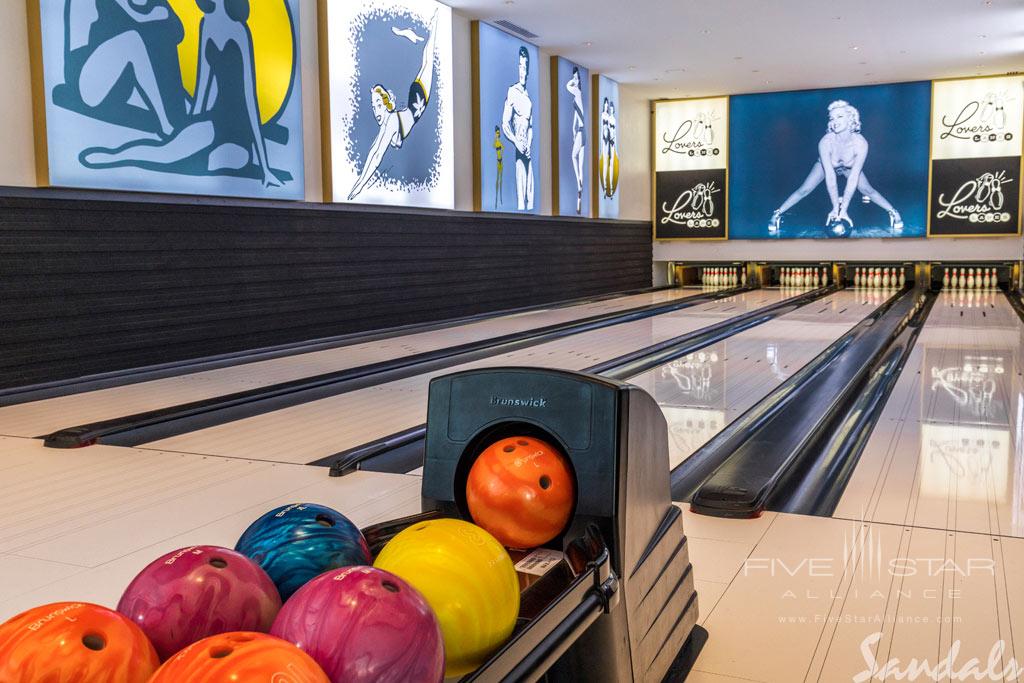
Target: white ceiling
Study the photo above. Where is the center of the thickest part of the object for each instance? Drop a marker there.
(688, 48)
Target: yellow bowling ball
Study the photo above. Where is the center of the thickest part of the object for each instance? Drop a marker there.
(468, 579)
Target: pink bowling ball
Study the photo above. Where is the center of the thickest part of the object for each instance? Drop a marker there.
(364, 624)
(196, 592)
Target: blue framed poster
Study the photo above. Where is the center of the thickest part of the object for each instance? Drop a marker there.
(839, 162)
(570, 121)
(183, 96)
(606, 140)
(506, 128)
(388, 89)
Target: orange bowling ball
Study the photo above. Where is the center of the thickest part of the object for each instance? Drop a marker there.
(521, 490)
(74, 641)
(240, 656)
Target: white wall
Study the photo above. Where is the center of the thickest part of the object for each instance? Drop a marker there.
(18, 161)
(635, 164)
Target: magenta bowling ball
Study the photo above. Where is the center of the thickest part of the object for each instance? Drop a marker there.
(364, 624)
(196, 592)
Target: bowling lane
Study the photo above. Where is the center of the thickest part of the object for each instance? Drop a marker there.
(314, 430)
(46, 416)
(705, 391)
(948, 451)
(78, 525)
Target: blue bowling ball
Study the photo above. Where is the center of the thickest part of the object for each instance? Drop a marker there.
(295, 543)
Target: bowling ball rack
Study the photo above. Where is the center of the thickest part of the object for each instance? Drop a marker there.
(620, 604)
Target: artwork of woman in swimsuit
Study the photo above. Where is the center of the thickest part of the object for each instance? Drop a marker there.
(223, 130)
(396, 123)
(842, 151)
(579, 150)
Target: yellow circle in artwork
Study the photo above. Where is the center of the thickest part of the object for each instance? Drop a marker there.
(273, 37)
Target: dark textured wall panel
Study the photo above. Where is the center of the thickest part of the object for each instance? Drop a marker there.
(97, 282)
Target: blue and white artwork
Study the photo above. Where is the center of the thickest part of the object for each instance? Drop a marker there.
(508, 102)
(607, 137)
(572, 137)
(389, 88)
(183, 96)
(841, 162)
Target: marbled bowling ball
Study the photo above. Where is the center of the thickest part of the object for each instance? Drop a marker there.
(468, 579)
(197, 592)
(522, 490)
(362, 624)
(295, 543)
(74, 641)
(240, 657)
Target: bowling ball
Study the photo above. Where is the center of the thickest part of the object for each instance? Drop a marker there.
(74, 641)
(468, 579)
(522, 490)
(364, 624)
(294, 543)
(196, 592)
(240, 657)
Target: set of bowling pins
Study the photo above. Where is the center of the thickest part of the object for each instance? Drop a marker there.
(803, 277)
(985, 279)
(723, 277)
(879, 278)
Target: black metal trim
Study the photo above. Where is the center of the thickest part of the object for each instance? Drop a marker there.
(630, 364)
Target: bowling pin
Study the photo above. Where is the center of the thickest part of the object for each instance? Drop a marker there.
(801, 277)
(885, 279)
(903, 277)
(986, 280)
(743, 277)
(735, 276)
(945, 279)
(877, 279)
(994, 278)
(961, 281)
(784, 277)
(970, 278)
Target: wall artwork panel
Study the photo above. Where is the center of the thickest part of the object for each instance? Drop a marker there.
(839, 162)
(170, 96)
(506, 123)
(388, 126)
(571, 124)
(607, 147)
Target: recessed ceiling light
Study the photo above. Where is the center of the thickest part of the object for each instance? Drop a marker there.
(982, 36)
(737, 58)
(706, 31)
(588, 44)
(855, 47)
(632, 68)
(862, 63)
(755, 71)
(676, 70)
(981, 52)
(903, 52)
(836, 18)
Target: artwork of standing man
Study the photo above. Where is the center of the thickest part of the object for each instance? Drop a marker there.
(867, 148)
(189, 96)
(505, 129)
(388, 87)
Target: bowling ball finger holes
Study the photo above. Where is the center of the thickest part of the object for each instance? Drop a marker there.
(509, 449)
(390, 587)
(220, 652)
(324, 520)
(94, 642)
(545, 482)
(218, 563)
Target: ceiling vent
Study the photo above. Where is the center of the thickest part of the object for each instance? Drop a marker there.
(515, 28)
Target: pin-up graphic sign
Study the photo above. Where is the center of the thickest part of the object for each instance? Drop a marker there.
(388, 86)
(185, 96)
(691, 152)
(976, 156)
